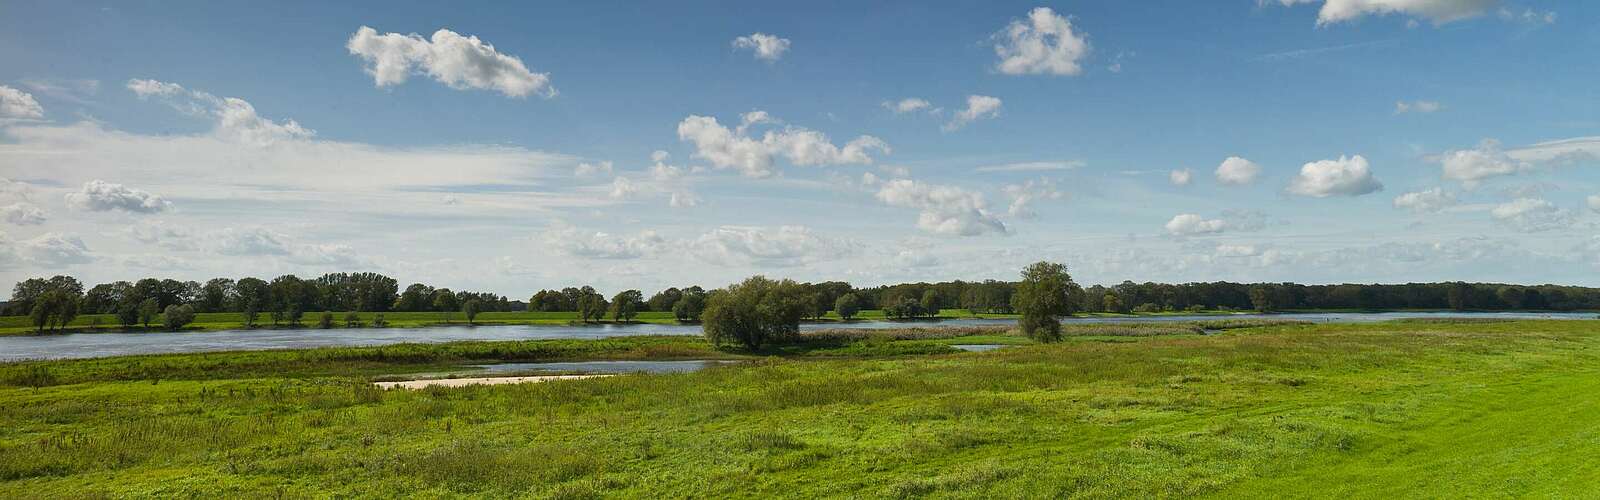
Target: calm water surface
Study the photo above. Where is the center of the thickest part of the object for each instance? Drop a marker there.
(94, 345)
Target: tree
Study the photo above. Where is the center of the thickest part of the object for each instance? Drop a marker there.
(470, 310)
(625, 305)
(754, 312)
(294, 314)
(690, 305)
(847, 306)
(352, 319)
(417, 297)
(216, 294)
(325, 320)
(250, 314)
(817, 306)
(445, 300)
(1042, 296)
(43, 310)
(128, 313)
(1111, 303)
(930, 303)
(175, 317)
(665, 299)
(148, 311)
(1261, 298)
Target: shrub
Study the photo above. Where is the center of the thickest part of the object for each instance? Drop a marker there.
(175, 317)
(325, 321)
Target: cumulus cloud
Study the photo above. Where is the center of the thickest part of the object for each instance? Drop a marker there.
(1023, 195)
(766, 47)
(1471, 166)
(575, 242)
(908, 105)
(1402, 107)
(1532, 215)
(1044, 43)
(460, 62)
(1425, 201)
(785, 246)
(756, 157)
(1180, 177)
(1436, 11)
(161, 234)
(1237, 171)
(1194, 224)
(102, 196)
(23, 214)
(16, 104)
(1594, 202)
(50, 250)
(235, 119)
(622, 188)
(979, 107)
(945, 210)
(1346, 176)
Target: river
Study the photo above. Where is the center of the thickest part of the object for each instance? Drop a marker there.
(95, 345)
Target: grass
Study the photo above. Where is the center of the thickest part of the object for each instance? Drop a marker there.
(1393, 409)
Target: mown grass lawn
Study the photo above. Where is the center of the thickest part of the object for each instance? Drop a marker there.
(1399, 409)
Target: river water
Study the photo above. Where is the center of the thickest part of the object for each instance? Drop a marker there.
(94, 345)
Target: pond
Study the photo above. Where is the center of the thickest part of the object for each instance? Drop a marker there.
(94, 345)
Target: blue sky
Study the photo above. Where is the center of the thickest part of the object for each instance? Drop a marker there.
(202, 139)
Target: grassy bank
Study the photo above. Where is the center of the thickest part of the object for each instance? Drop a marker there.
(1403, 409)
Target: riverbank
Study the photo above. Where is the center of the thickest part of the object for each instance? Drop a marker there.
(1293, 410)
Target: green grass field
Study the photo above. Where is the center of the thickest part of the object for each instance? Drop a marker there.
(1397, 409)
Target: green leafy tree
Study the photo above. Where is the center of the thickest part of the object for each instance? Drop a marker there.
(470, 309)
(325, 320)
(1111, 303)
(625, 305)
(754, 312)
(1261, 298)
(250, 314)
(352, 319)
(847, 306)
(1042, 296)
(930, 304)
(175, 317)
(690, 305)
(128, 313)
(148, 311)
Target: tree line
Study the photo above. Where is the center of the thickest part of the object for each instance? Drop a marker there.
(55, 301)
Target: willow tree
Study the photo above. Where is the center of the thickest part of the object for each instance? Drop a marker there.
(754, 312)
(1042, 297)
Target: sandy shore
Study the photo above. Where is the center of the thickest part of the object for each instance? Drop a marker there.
(462, 382)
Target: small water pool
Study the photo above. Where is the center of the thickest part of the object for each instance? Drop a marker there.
(978, 347)
(603, 366)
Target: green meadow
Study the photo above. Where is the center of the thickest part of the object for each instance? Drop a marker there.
(1395, 409)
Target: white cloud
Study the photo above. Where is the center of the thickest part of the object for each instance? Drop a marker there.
(1594, 202)
(169, 236)
(1042, 44)
(1023, 195)
(946, 210)
(766, 47)
(1527, 16)
(236, 120)
(247, 242)
(574, 242)
(592, 169)
(1401, 107)
(726, 148)
(101, 196)
(622, 188)
(23, 214)
(1224, 250)
(1425, 201)
(785, 246)
(1346, 176)
(1436, 11)
(1032, 166)
(51, 250)
(15, 104)
(753, 118)
(1531, 215)
(152, 88)
(979, 107)
(908, 105)
(1237, 171)
(1180, 177)
(1471, 166)
(1194, 224)
(460, 62)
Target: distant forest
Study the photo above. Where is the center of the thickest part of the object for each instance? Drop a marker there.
(371, 292)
